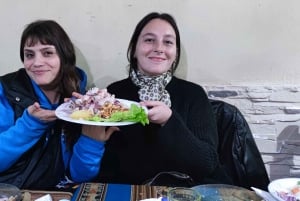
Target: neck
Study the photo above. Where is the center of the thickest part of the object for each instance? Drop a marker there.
(52, 95)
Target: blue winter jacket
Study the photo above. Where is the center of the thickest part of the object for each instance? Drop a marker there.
(82, 162)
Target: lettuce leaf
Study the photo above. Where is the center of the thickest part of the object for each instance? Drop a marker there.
(134, 114)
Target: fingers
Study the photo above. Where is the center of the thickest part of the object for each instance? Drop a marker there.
(33, 108)
(158, 112)
(109, 132)
(150, 104)
(75, 95)
(44, 115)
(98, 132)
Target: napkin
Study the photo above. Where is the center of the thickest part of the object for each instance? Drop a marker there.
(44, 198)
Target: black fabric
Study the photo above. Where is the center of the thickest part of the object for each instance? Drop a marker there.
(237, 148)
(187, 143)
(18, 90)
(174, 178)
(41, 167)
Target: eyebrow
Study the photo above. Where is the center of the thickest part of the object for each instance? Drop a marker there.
(44, 48)
(152, 34)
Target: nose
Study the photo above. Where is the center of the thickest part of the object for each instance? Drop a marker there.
(38, 60)
(159, 49)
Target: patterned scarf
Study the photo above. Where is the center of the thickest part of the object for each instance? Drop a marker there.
(152, 87)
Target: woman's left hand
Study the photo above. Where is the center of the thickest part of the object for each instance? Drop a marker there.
(99, 133)
(74, 95)
(158, 112)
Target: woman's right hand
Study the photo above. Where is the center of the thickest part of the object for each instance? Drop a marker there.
(44, 115)
(99, 133)
(158, 112)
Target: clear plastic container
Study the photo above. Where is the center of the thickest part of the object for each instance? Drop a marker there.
(183, 194)
(9, 193)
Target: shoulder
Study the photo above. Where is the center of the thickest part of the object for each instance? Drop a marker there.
(14, 76)
(185, 87)
(81, 73)
(18, 80)
(124, 89)
(83, 79)
(120, 85)
(120, 82)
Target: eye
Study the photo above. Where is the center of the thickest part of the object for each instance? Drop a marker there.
(28, 55)
(169, 42)
(149, 40)
(48, 53)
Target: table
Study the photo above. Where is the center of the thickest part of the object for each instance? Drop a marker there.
(100, 192)
(213, 192)
(121, 192)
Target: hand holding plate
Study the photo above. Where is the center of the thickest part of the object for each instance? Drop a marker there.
(99, 133)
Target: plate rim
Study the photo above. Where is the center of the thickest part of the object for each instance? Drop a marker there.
(271, 185)
(58, 112)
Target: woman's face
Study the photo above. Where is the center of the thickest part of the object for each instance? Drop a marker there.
(156, 48)
(42, 63)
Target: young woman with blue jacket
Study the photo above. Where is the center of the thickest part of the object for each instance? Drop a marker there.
(37, 150)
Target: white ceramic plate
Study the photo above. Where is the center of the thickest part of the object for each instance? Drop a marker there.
(64, 111)
(282, 185)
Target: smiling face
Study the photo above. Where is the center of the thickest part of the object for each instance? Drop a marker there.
(156, 48)
(41, 63)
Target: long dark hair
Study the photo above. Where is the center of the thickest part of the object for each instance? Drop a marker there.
(138, 29)
(51, 33)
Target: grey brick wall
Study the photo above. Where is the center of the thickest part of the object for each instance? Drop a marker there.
(273, 114)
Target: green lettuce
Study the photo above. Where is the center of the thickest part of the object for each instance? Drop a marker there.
(134, 114)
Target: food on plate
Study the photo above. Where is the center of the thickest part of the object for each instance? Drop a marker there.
(99, 105)
(290, 194)
(296, 189)
(81, 114)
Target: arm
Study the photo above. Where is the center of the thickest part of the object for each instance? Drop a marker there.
(190, 135)
(189, 152)
(88, 152)
(16, 138)
(85, 161)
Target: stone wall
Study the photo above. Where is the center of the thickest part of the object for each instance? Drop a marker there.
(273, 114)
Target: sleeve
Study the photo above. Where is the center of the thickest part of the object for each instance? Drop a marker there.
(16, 138)
(190, 137)
(85, 160)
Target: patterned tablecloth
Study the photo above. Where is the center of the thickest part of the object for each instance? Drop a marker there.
(122, 192)
(113, 192)
(119, 192)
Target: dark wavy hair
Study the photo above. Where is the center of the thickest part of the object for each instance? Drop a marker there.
(138, 29)
(51, 33)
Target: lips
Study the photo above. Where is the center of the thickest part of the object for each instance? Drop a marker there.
(39, 72)
(157, 59)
